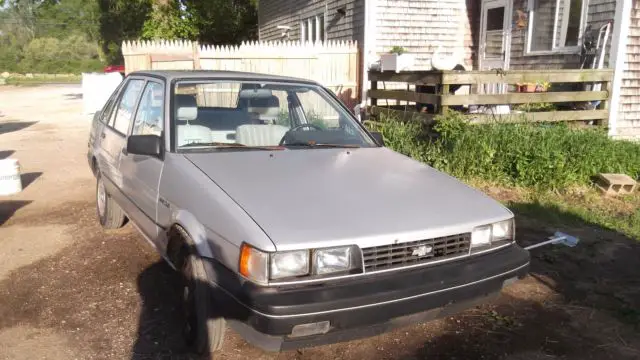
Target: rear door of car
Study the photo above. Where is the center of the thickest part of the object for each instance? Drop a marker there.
(100, 119)
(141, 173)
(113, 137)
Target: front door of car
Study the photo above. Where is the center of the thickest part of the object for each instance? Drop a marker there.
(141, 173)
(113, 139)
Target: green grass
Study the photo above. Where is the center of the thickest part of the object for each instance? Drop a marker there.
(43, 79)
(544, 156)
(579, 206)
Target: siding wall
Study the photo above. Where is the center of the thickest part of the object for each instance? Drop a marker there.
(629, 111)
(599, 13)
(273, 13)
(421, 25)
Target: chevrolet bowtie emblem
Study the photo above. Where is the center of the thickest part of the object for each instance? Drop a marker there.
(421, 251)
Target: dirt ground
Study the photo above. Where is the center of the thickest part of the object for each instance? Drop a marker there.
(69, 290)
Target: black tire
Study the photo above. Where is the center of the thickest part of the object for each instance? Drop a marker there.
(112, 216)
(204, 331)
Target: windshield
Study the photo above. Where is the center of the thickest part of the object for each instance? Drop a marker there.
(241, 115)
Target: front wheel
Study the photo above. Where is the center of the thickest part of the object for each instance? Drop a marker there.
(110, 214)
(204, 330)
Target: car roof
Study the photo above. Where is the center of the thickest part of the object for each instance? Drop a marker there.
(170, 75)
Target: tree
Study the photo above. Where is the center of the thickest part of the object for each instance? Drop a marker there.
(60, 18)
(120, 20)
(19, 18)
(224, 21)
(108, 23)
(168, 20)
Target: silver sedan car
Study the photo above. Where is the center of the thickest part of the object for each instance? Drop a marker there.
(290, 222)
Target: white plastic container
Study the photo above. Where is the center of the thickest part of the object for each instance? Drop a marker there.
(397, 63)
(10, 181)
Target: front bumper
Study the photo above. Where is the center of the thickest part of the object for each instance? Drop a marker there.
(362, 306)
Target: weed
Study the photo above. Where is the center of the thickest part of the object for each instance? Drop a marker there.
(536, 107)
(397, 50)
(499, 321)
(545, 156)
(630, 316)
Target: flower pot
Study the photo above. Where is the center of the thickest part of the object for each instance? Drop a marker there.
(527, 88)
(395, 62)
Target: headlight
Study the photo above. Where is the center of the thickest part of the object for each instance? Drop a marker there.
(481, 236)
(261, 267)
(492, 234)
(326, 261)
(288, 264)
(502, 230)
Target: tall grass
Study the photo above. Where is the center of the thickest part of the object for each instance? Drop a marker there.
(537, 155)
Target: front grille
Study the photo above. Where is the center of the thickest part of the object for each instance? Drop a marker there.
(406, 254)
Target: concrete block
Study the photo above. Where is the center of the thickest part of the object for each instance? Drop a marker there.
(616, 184)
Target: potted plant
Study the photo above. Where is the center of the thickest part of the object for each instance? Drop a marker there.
(396, 60)
(540, 86)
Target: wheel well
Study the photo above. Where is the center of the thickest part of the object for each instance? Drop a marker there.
(176, 245)
(94, 165)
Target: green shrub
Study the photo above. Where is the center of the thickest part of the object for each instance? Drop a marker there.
(527, 154)
(73, 54)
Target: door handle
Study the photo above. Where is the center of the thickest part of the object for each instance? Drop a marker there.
(124, 151)
(103, 135)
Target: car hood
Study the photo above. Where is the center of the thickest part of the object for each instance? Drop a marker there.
(328, 197)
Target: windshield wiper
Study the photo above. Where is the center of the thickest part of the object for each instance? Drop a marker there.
(305, 144)
(221, 145)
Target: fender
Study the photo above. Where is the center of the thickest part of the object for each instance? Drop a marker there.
(196, 230)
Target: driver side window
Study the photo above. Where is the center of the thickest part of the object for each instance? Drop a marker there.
(149, 119)
(122, 115)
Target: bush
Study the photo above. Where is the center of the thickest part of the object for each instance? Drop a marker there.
(9, 57)
(50, 55)
(528, 154)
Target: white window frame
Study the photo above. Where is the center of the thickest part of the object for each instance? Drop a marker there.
(565, 23)
(313, 22)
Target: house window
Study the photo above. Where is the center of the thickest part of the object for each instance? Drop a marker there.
(555, 25)
(312, 28)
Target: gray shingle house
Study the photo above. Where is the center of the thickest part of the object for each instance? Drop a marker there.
(483, 34)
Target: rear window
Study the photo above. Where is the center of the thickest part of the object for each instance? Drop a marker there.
(215, 95)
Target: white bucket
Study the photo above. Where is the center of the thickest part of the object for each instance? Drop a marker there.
(10, 181)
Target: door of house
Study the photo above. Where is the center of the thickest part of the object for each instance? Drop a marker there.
(495, 39)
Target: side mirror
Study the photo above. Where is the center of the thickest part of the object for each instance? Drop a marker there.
(378, 138)
(144, 145)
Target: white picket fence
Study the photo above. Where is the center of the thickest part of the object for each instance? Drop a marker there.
(332, 63)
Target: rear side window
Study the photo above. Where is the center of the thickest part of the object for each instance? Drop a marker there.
(126, 107)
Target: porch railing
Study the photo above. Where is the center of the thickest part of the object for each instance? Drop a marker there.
(573, 93)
